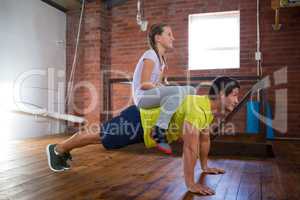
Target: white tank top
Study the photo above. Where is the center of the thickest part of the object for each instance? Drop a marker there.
(155, 74)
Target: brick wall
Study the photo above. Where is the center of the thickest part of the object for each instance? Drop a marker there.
(282, 49)
(124, 43)
(87, 74)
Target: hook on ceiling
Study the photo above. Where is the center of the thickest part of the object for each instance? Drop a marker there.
(140, 16)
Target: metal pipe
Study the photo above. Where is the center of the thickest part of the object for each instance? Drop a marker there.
(286, 138)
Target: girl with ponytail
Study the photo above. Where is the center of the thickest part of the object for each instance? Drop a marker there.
(148, 89)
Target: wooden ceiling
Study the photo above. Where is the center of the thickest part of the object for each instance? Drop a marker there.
(66, 5)
(69, 4)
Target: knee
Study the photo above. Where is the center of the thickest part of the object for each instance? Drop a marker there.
(90, 137)
(192, 90)
(189, 90)
(204, 138)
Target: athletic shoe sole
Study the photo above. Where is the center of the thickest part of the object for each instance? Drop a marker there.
(165, 150)
(161, 148)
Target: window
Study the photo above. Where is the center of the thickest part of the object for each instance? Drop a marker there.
(214, 40)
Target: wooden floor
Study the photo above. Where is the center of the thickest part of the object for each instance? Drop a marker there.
(137, 173)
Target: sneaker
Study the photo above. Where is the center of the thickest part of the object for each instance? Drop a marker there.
(56, 162)
(162, 143)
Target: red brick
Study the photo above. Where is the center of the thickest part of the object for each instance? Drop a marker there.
(113, 41)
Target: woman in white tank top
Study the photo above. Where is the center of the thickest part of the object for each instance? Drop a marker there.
(147, 88)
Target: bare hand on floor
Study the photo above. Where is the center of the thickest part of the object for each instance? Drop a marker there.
(201, 189)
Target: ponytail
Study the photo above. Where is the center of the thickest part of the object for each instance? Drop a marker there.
(156, 29)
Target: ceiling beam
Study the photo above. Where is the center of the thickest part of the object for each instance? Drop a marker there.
(55, 5)
(112, 3)
(66, 5)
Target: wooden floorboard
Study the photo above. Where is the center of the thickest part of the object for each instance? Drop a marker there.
(137, 173)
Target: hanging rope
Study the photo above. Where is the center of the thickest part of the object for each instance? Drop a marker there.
(70, 83)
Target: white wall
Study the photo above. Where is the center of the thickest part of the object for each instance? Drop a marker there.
(32, 36)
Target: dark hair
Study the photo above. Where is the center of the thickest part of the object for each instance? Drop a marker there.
(222, 83)
(156, 29)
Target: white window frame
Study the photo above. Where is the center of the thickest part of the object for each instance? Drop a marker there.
(214, 52)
